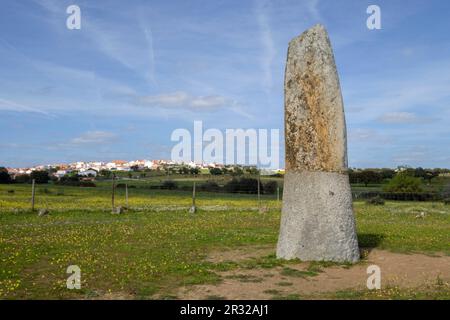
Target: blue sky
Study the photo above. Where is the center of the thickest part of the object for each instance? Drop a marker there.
(137, 70)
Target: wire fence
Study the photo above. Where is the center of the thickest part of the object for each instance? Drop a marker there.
(254, 194)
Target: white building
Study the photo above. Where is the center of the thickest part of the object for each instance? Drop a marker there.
(88, 173)
(61, 173)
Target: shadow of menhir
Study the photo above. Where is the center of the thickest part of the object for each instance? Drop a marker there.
(369, 241)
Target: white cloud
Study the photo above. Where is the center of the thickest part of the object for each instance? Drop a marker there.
(124, 39)
(269, 51)
(313, 8)
(398, 117)
(94, 137)
(9, 105)
(363, 135)
(181, 99)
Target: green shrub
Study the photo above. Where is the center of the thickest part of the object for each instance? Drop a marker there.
(76, 183)
(270, 187)
(169, 184)
(22, 178)
(4, 175)
(243, 185)
(447, 201)
(446, 191)
(402, 182)
(215, 171)
(40, 176)
(209, 186)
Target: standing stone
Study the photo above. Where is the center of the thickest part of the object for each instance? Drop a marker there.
(317, 220)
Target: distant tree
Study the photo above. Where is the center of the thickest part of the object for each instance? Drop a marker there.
(194, 170)
(237, 170)
(135, 168)
(4, 175)
(365, 176)
(105, 173)
(232, 185)
(169, 184)
(370, 176)
(68, 179)
(252, 170)
(387, 174)
(183, 170)
(404, 182)
(243, 185)
(419, 172)
(270, 186)
(215, 171)
(425, 174)
(446, 191)
(22, 178)
(40, 176)
(209, 186)
(430, 174)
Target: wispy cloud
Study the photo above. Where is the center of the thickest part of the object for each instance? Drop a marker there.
(150, 50)
(313, 8)
(399, 117)
(8, 105)
(121, 39)
(395, 99)
(94, 137)
(266, 37)
(182, 99)
(365, 135)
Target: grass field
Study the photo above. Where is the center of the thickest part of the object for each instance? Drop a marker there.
(157, 246)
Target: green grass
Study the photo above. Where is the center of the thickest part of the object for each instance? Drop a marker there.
(289, 272)
(157, 246)
(430, 292)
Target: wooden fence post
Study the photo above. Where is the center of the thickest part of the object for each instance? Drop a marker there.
(113, 190)
(32, 194)
(126, 194)
(193, 208)
(259, 192)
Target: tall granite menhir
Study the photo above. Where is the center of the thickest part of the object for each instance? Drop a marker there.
(317, 220)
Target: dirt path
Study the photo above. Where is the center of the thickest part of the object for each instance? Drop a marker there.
(397, 270)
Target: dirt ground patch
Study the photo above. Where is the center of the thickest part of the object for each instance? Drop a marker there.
(297, 280)
(240, 254)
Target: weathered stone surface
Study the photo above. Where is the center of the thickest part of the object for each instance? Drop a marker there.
(314, 115)
(317, 217)
(317, 220)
